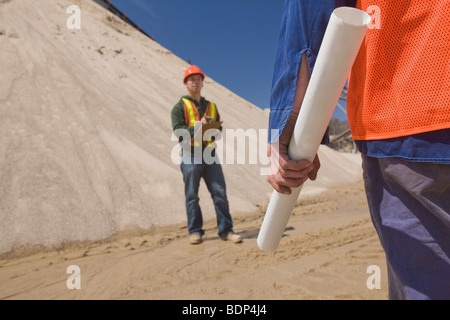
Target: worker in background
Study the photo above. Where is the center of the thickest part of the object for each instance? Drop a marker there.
(186, 117)
(399, 114)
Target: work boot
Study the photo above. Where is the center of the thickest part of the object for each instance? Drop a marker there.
(233, 238)
(195, 238)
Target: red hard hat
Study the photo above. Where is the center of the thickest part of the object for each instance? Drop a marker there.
(192, 70)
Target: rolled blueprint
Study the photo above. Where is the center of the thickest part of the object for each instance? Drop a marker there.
(343, 37)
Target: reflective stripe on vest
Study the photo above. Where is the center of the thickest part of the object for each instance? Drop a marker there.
(192, 115)
(212, 111)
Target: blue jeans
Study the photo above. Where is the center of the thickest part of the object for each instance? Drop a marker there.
(410, 208)
(215, 182)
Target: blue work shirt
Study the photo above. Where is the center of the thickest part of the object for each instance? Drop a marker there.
(302, 29)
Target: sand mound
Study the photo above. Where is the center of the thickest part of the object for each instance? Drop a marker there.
(85, 134)
(86, 169)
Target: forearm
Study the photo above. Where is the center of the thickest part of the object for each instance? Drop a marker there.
(302, 84)
(179, 122)
(288, 173)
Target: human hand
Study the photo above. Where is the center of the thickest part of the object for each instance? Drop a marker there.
(207, 119)
(286, 173)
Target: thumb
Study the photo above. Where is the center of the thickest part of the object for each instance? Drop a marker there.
(312, 175)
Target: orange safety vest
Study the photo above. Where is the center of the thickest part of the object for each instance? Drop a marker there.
(191, 116)
(400, 81)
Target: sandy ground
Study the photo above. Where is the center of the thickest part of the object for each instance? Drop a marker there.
(327, 247)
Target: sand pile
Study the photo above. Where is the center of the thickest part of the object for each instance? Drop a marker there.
(85, 143)
(85, 140)
(87, 178)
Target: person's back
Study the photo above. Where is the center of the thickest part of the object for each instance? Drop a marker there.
(399, 113)
(400, 81)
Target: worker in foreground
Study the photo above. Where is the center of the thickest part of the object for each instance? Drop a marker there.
(399, 114)
(187, 114)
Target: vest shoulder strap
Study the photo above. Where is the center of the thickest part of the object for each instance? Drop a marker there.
(190, 112)
(211, 110)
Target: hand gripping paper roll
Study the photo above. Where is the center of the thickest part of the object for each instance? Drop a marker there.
(343, 37)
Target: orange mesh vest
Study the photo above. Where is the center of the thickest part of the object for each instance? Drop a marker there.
(400, 81)
(191, 115)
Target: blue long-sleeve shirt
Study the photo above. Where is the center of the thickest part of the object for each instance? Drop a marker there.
(302, 29)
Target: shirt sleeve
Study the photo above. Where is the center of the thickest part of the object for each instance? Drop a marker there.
(303, 26)
(178, 119)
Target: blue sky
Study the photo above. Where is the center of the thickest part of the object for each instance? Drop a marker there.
(232, 41)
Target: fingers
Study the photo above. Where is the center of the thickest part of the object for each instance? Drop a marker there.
(283, 179)
(316, 166)
(296, 174)
(284, 185)
(287, 164)
(279, 188)
(287, 173)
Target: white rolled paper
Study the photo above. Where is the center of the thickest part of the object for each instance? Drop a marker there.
(343, 37)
